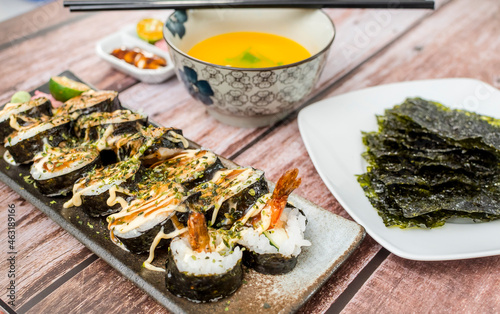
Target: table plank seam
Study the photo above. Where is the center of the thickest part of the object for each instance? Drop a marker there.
(4, 306)
(352, 289)
(44, 31)
(56, 284)
(276, 126)
(367, 270)
(332, 85)
(377, 53)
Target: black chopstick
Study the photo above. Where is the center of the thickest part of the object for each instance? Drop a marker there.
(95, 5)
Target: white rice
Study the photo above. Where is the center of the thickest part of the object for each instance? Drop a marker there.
(142, 228)
(32, 130)
(202, 263)
(295, 225)
(38, 172)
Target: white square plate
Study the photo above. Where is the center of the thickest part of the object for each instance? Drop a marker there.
(331, 130)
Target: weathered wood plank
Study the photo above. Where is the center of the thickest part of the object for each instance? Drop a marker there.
(322, 300)
(66, 48)
(436, 49)
(394, 65)
(404, 286)
(86, 293)
(275, 159)
(44, 251)
(360, 33)
(458, 41)
(208, 134)
(44, 17)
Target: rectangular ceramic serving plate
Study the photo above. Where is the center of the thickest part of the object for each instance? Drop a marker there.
(331, 130)
(333, 239)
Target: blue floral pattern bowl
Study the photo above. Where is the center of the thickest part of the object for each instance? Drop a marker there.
(249, 97)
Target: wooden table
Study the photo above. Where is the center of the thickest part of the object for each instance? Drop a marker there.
(56, 273)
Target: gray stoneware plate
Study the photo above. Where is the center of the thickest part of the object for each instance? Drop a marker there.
(333, 239)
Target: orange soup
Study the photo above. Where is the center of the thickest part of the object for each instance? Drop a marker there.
(249, 50)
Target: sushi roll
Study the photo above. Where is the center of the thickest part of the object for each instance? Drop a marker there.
(273, 232)
(228, 195)
(202, 265)
(135, 227)
(151, 144)
(162, 144)
(23, 144)
(56, 169)
(92, 126)
(189, 167)
(15, 116)
(106, 190)
(90, 101)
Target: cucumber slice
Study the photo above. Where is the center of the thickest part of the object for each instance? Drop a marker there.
(63, 88)
(276, 237)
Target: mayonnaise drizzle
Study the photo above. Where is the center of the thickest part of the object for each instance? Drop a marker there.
(186, 165)
(226, 184)
(55, 161)
(13, 123)
(102, 143)
(176, 138)
(161, 235)
(160, 206)
(256, 208)
(113, 199)
(82, 187)
(9, 159)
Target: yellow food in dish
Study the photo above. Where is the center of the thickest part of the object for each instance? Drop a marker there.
(249, 50)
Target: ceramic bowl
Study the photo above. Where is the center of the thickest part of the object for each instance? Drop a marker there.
(247, 97)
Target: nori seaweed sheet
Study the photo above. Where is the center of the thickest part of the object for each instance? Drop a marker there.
(190, 183)
(96, 205)
(25, 150)
(233, 208)
(61, 185)
(127, 150)
(142, 243)
(202, 288)
(42, 107)
(269, 264)
(429, 163)
(124, 127)
(392, 214)
(456, 125)
(237, 206)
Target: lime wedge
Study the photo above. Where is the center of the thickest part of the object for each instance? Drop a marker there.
(63, 88)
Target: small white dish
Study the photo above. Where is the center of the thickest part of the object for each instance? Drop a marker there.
(124, 39)
(331, 130)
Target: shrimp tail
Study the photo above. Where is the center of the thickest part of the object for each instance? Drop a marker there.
(285, 186)
(198, 231)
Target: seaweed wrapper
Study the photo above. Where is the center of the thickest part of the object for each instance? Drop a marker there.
(429, 163)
